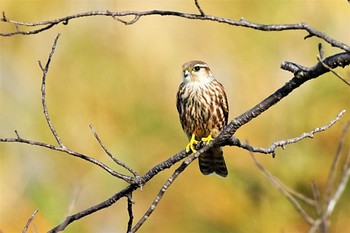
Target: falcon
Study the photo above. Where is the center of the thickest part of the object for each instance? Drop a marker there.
(203, 111)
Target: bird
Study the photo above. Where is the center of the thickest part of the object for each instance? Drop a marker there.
(202, 105)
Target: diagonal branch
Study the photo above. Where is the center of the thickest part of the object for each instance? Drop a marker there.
(117, 161)
(331, 200)
(199, 7)
(275, 182)
(25, 229)
(70, 219)
(301, 75)
(165, 187)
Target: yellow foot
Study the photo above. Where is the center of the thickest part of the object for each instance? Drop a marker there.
(207, 139)
(191, 144)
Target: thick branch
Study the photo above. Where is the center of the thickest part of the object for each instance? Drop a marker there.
(301, 75)
(124, 193)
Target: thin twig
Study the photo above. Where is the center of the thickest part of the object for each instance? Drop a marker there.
(332, 201)
(25, 229)
(317, 198)
(130, 212)
(331, 176)
(117, 161)
(43, 92)
(275, 182)
(320, 51)
(333, 71)
(127, 179)
(271, 149)
(166, 185)
(199, 7)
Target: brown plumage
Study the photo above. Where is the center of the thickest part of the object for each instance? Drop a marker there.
(203, 111)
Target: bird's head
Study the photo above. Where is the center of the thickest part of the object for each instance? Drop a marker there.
(196, 71)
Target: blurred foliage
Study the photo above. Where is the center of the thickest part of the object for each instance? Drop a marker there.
(123, 80)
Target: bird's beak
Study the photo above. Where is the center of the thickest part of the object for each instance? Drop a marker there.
(186, 73)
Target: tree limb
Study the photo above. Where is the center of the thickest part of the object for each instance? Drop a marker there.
(301, 75)
(45, 25)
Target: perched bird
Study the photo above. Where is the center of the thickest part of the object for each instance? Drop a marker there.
(203, 110)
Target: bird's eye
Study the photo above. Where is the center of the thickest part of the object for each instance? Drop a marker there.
(196, 68)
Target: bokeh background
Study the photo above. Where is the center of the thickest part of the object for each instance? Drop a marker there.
(123, 80)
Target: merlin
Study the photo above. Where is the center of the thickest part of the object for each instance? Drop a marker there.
(203, 110)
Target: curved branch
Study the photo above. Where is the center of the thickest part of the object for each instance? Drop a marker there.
(45, 70)
(138, 14)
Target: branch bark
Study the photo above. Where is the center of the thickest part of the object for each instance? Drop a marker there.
(135, 181)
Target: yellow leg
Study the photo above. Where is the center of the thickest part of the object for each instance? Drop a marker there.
(191, 144)
(208, 139)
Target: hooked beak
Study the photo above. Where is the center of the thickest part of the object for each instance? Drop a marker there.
(186, 73)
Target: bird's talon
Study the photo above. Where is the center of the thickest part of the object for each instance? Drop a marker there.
(207, 139)
(191, 145)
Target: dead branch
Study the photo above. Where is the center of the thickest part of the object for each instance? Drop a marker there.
(301, 75)
(25, 229)
(323, 209)
(45, 25)
(283, 143)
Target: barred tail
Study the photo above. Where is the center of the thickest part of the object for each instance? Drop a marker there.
(213, 161)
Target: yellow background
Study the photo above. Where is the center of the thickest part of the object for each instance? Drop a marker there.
(123, 80)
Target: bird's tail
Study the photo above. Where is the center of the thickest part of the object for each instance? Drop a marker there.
(213, 161)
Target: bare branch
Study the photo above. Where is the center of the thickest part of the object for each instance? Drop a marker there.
(301, 75)
(110, 201)
(138, 14)
(334, 72)
(128, 179)
(117, 161)
(25, 229)
(271, 149)
(43, 92)
(275, 182)
(199, 7)
(130, 212)
(332, 200)
(166, 185)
